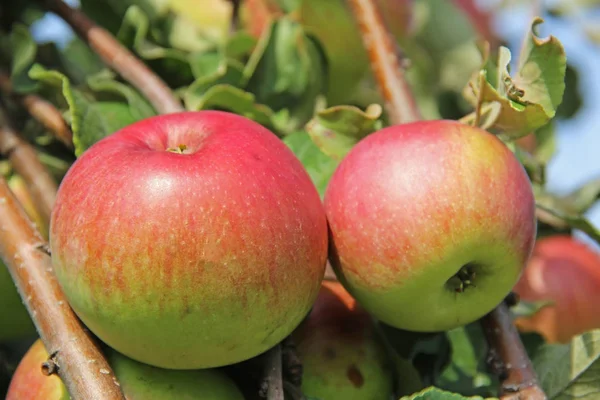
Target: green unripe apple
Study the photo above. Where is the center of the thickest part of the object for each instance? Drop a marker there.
(138, 381)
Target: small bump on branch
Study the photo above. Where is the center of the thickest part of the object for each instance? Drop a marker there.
(40, 109)
(508, 357)
(26, 163)
(117, 57)
(385, 62)
(82, 364)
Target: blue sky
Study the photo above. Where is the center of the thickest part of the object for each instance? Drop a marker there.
(578, 157)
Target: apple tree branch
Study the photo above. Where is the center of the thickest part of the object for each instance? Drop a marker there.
(385, 63)
(40, 109)
(117, 57)
(75, 356)
(26, 163)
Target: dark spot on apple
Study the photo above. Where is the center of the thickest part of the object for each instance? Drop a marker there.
(355, 376)
(464, 278)
(256, 157)
(329, 353)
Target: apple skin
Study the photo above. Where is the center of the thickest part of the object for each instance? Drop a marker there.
(566, 272)
(341, 356)
(189, 261)
(138, 381)
(411, 204)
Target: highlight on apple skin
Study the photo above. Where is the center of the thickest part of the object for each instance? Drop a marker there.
(342, 356)
(138, 381)
(564, 273)
(189, 240)
(431, 224)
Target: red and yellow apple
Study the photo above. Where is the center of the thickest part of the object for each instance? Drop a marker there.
(565, 273)
(341, 355)
(189, 240)
(138, 381)
(431, 223)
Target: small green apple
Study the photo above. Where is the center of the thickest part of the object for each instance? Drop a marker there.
(431, 223)
(138, 381)
(341, 355)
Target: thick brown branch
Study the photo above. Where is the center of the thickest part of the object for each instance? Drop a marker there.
(26, 163)
(116, 56)
(385, 63)
(509, 357)
(81, 364)
(40, 109)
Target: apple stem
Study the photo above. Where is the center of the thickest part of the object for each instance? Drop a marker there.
(23, 157)
(385, 62)
(117, 57)
(83, 368)
(508, 356)
(41, 110)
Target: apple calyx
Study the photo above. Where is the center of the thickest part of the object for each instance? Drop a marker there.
(179, 149)
(463, 279)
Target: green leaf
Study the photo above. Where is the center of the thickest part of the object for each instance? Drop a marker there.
(319, 166)
(172, 64)
(229, 98)
(433, 393)
(553, 211)
(90, 120)
(529, 99)
(24, 50)
(583, 198)
(546, 146)
(467, 371)
(527, 309)
(139, 108)
(570, 371)
(336, 130)
(78, 61)
(287, 70)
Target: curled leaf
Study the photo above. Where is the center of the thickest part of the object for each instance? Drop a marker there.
(336, 130)
(530, 98)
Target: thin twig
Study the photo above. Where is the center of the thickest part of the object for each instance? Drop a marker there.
(273, 379)
(509, 357)
(23, 158)
(119, 58)
(385, 63)
(80, 362)
(40, 109)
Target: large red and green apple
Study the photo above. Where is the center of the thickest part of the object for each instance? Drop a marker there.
(138, 381)
(431, 222)
(564, 275)
(342, 356)
(189, 240)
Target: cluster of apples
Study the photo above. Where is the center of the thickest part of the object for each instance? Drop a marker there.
(197, 240)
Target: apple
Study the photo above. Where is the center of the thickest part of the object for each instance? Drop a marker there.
(565, 273)
(138, 381)
(189, 240)
(341, 355)
(431, 223)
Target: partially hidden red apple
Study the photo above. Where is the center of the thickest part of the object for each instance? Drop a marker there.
(189, 240)
(565, 273)
(138, 381)
(431, 223)
(341, 354)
